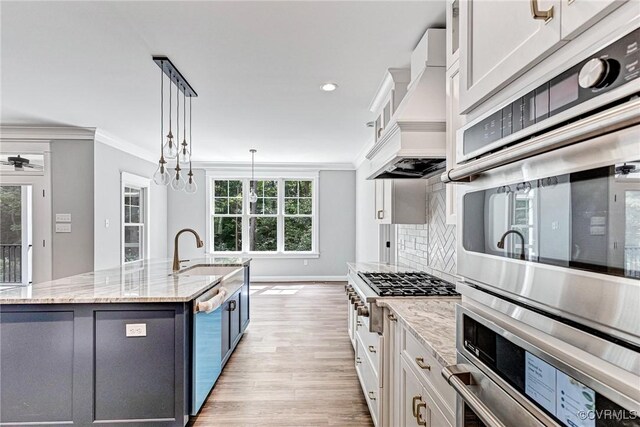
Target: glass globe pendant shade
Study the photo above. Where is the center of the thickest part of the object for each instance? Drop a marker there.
(170, 149)
(191, 187)
(178, 182)
(253, 197)
(161, 176)
(184, 157)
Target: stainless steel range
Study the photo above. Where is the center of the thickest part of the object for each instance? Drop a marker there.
(365, 287)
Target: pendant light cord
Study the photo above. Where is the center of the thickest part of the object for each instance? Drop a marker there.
(190, 135)
(178, 129)
(161, 111)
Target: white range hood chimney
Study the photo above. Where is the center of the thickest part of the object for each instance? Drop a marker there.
(412, 144)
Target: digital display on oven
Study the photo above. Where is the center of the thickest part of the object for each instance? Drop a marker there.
(564, 92)
(558, 393)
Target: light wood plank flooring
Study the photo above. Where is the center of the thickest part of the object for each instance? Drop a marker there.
(294, 365)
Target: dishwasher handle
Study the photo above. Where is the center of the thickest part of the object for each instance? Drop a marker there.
(459, 377)
(211, 304)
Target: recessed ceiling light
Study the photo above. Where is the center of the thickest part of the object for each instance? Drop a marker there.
(329, 87)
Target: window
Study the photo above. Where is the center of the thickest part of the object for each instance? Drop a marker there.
(281, 222)
(227, 218)
(298, 216)
(135, 217)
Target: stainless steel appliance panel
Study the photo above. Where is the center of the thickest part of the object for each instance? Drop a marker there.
(601, 301)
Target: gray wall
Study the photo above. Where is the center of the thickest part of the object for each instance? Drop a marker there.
(367, 228)
(337, 202)
(72, 178)
(109, 164)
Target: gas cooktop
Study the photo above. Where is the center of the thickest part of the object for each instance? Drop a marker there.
(408, 285)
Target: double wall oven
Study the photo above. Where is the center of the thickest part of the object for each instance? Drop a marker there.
(549, 251)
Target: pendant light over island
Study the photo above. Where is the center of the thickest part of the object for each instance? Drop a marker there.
(172, 149)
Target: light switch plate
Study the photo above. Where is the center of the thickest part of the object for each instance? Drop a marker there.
(63, 217)
(63, 228)
(136, 329)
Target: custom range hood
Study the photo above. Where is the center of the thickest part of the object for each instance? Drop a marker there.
(410, 130)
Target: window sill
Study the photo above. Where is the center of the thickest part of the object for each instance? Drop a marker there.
(273, 255)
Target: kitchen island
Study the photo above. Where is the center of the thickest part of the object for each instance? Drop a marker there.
(126, 346)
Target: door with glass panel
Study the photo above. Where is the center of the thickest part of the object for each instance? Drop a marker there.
(15, 235)
(133, 248)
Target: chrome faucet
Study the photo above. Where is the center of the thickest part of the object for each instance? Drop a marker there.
(176, 258)
(501, 242)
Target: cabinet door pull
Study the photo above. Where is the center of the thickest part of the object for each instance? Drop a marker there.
(536, 13)
(413, 405)
(381, 214)
(372, 395)
(392, 317)
(421, 364)
(358, 361)
(372, 349)
(421, 421)
(232, 305)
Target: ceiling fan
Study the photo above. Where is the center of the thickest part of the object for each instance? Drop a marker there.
(19, 163)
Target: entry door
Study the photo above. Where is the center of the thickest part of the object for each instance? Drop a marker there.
(15, 234)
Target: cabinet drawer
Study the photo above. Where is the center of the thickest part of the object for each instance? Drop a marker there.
(368, 381)
(423, 362)
(372, 349)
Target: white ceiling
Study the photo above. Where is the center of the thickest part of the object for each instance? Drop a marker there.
(257, 68)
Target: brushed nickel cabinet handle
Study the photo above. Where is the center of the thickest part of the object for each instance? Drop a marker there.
(392, 317)
(358, 361)
(421, 364)
(381, 214)
(421, 421)
(372, 349)
(358, 323)
(372, 395)
(536, 13)
(413, 405)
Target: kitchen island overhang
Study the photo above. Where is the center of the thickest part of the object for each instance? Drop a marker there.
(118, 346)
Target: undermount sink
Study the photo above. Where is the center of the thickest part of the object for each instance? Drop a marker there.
(207, 270)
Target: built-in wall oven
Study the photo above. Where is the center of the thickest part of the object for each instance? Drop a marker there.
(548, 245)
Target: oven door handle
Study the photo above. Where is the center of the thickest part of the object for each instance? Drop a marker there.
(459, 377)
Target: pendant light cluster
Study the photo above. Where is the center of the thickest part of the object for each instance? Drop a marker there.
(172, 149)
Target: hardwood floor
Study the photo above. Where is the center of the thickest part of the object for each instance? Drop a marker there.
(294, 365)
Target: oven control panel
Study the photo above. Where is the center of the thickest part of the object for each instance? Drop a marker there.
(608, 69)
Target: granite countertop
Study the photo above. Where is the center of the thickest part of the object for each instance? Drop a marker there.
(139, 282)
(432, 321)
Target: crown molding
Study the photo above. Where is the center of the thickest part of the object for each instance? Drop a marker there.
(272, 166)
(124, 145)
(404, 126)
(45, 133)
(391, 77)
(361, 157)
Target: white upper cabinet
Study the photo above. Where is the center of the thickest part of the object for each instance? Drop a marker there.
(453, 32)
(499, 40)
(578, 15)
(400, 201)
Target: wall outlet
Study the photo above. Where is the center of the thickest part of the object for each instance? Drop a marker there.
(63, 217)
(305, 262)
(63, 228)
(136, 329)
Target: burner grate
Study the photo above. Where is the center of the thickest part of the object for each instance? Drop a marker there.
(410, 284)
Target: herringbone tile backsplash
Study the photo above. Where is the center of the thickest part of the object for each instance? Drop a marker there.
(433, 244)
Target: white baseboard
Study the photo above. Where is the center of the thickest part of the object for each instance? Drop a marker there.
(298, 278)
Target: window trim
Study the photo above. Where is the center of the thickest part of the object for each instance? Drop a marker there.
(136, 181)
(280, 176)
